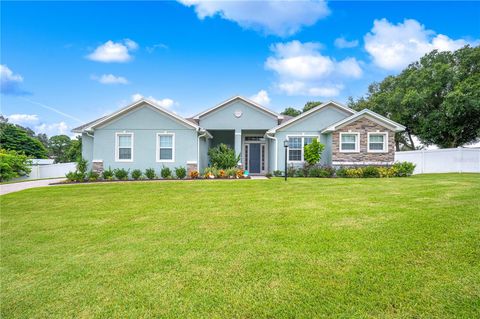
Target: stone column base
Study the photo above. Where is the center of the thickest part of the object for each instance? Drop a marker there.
(97, 166)
(191, 166)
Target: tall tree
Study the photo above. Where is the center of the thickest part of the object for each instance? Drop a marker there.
(311, 105)
(58, 146)
(436, 98)
(74, 152)
(15, 138)
(291, 111)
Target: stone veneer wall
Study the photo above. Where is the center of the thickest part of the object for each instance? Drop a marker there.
(363, 126)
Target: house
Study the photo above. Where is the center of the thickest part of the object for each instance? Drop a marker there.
(144, 135)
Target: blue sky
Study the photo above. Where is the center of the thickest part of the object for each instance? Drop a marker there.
(65, 63)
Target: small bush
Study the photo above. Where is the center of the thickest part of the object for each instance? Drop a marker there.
(210, 172)
(291, 170)
(403, 169)
(354, 172)
(223, 156)
(299, 173)
(231, 172)
(71, 176)
(370, 172)
(222, 173)
(318, 171)
(12, 164)
(194, 174)
(277, 173)
(150, 173)
(107, 174)
(136, 174)
(93, 176)
(82, 166)
(166, 172)
(386, 171)
(240, 173)
(180, 172)
(121, 173)
(268, 175)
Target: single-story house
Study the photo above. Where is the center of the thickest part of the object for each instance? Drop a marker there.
(144, 135)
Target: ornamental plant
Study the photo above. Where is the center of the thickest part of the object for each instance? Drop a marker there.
(180, 172)
(193, 174)
(136, 174)
(121, 173)
(313, 152)
(150, 173)
(166, 172)
(223, 156)
(12, 164)
(107, 174)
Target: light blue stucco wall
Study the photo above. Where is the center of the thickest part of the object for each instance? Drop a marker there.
(145, 122)
(311, 125)
(87, 149)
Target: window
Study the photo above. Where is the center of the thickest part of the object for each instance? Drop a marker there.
(245, 160)
(349, 142)
(124, 147)
(377, 142)
(296, 145)
(165, 147)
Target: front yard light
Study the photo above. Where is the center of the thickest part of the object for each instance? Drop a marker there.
(285, 144)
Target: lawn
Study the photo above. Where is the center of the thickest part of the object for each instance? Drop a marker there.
(388, 248)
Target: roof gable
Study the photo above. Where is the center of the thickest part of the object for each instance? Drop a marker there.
(310, 112)
(381, 120)
(129, 108)
(241, 98)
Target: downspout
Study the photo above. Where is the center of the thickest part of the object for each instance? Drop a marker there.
(276, 150)
(198, 147)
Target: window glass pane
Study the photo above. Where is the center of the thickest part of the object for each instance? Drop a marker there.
(295, 142)
(124, 141)
(376, 146)
(348, 146)
(307, 140)
(124, 153)
(295, 155)
(376, 138)
(349, 138)
(166, 154)
(166, 140)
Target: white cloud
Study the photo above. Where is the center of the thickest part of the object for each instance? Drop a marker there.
(109, 79)
(393, 47)
(59, 128)
(152, 48)
(343, 43)
(23, 119)
(303, 70)
(261, 98)
(281, 18)
(9, 82)
(114, 51)
(166, 103)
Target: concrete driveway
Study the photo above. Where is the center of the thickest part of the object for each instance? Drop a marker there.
(15, 187)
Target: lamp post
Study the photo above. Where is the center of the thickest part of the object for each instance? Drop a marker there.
(285, 144)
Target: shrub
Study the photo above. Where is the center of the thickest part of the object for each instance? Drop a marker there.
(107, 174)
(318, 171)
(136, 174)
(193, 174)
(150, 173)
(13, 164)
(231, 172)
(166, 172)
(386, 171)
(210, 172)
(277, 173)
(222, 173)
(240, 173)
(71, 176)
(403, 169)
(354, 172)
(291, 170)
(268, 175)
(370, 172)
(341, 172)
(93, 176)
(313, 152)
(121, 173)
(223, 156)
(299, 173)
(180, 172)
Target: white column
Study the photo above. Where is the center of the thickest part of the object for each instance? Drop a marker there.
(238, 143)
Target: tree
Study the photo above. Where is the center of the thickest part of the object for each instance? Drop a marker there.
(436, 98)
(223, 157)
(58, 146)
(12, 164)
(15, 138)
(291, 112)
(313, 152)
(74, 152)
(311, 105)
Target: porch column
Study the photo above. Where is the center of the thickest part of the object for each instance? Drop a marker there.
(238, 144)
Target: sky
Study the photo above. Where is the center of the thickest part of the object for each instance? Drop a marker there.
(66, 63)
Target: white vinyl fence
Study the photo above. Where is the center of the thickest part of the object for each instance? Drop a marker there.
(447, 160)
(49, 171)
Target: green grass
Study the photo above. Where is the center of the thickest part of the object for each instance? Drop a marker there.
(383, 248)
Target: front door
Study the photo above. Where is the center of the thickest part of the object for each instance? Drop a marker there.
(254, 158)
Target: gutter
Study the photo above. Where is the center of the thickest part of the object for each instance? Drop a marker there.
(276, 148)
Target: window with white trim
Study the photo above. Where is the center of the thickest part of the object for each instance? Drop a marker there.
(377, 142)
(349, 142)
(296, 146)
(165, 147)
(124, 147)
